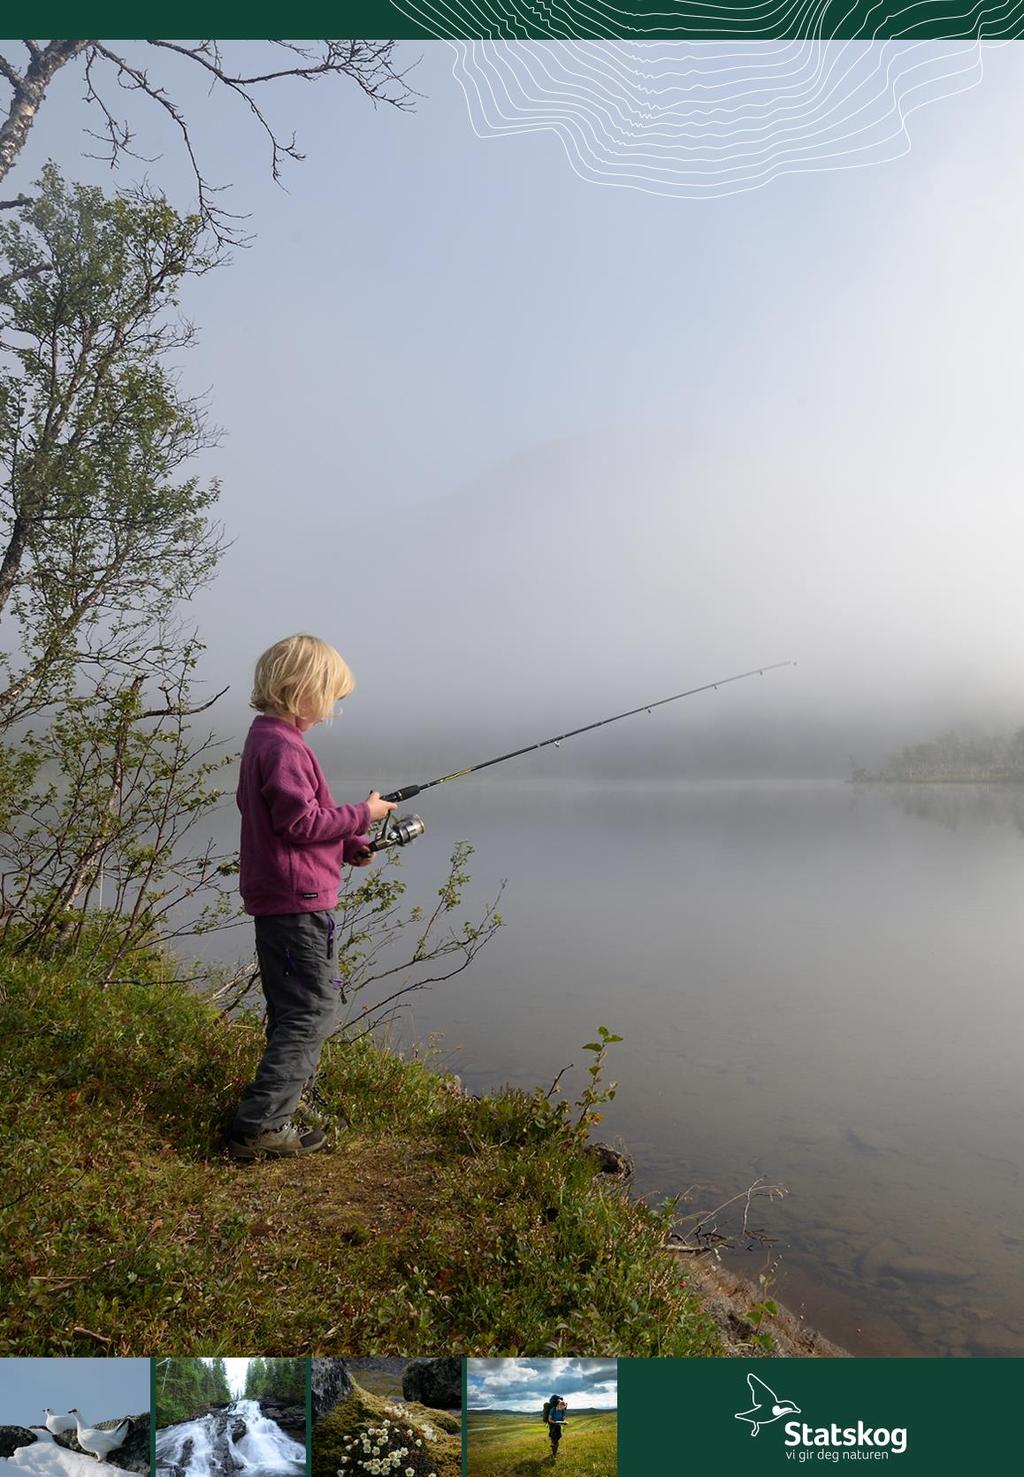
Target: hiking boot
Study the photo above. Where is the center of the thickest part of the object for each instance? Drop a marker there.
(278, 1143)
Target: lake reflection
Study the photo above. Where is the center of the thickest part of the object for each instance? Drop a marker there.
(818, 984)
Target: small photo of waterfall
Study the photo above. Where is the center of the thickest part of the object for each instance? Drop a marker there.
(74, 1417)
(222, 1417)
(387, 1417)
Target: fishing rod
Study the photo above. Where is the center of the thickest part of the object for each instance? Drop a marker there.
(401, 830)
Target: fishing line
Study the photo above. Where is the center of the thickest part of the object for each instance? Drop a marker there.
(401, 830)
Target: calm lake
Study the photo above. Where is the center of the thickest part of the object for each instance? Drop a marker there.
(819, 986)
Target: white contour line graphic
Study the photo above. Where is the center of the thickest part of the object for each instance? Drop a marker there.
(703, 119)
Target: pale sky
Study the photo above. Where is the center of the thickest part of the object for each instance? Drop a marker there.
(101, 1389)
(529, 450)
(236, 1372)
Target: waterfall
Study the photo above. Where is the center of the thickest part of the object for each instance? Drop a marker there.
(239, 1439)
(264, 1444)
(188, 1447)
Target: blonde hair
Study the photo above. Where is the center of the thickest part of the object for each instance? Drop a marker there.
(301, 675)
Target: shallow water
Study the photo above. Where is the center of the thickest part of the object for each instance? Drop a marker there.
(818, 985)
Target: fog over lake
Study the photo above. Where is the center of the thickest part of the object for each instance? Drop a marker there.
(818, 985)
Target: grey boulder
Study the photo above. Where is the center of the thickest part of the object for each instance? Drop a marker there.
(434, 1382)
(11, 1437)
(331, 1382)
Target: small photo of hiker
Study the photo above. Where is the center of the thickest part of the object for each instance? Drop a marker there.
(555, 1410)
(526, 1416)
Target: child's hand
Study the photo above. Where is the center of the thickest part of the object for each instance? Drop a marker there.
(378, 807)
(362, 858)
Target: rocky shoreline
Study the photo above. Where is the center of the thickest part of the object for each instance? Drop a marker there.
(731, 1299)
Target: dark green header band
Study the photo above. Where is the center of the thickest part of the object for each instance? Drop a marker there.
(550, 20)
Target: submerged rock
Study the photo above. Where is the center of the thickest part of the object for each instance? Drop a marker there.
(928, 1269)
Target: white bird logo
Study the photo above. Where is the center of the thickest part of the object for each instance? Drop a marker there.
(764, 1400)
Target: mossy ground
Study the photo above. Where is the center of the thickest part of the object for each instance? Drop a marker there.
(437, 1223)
(439, 1435)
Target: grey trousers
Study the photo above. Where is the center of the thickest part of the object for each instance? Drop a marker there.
(303, 992)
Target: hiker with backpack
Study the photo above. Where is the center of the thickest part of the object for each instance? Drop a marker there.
(554, 1415)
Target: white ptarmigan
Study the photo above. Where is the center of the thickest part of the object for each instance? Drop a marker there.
(96, 1442)
(58, 1424)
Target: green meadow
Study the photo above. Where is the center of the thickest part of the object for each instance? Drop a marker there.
(505, 1443)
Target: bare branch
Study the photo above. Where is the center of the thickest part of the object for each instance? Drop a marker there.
(706, 1235)
(8, 72)
(175, 711)
(369, 64)
(9, 279)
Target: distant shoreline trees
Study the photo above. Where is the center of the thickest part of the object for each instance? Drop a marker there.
(953, 758)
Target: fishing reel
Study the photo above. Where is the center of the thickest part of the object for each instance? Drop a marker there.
(397, 830)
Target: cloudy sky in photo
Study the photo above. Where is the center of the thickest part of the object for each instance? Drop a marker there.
(525, 1384)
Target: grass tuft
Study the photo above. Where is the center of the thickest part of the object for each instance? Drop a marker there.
(437, 1222)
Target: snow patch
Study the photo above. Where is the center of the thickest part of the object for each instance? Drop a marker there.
(44, 1458)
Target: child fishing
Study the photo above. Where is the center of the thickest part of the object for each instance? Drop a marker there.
(294, 842)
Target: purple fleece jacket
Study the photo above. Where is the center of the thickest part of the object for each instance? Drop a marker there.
(294, 837)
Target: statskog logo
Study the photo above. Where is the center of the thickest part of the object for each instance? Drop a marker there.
(767, 1406)
(830, 1443)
